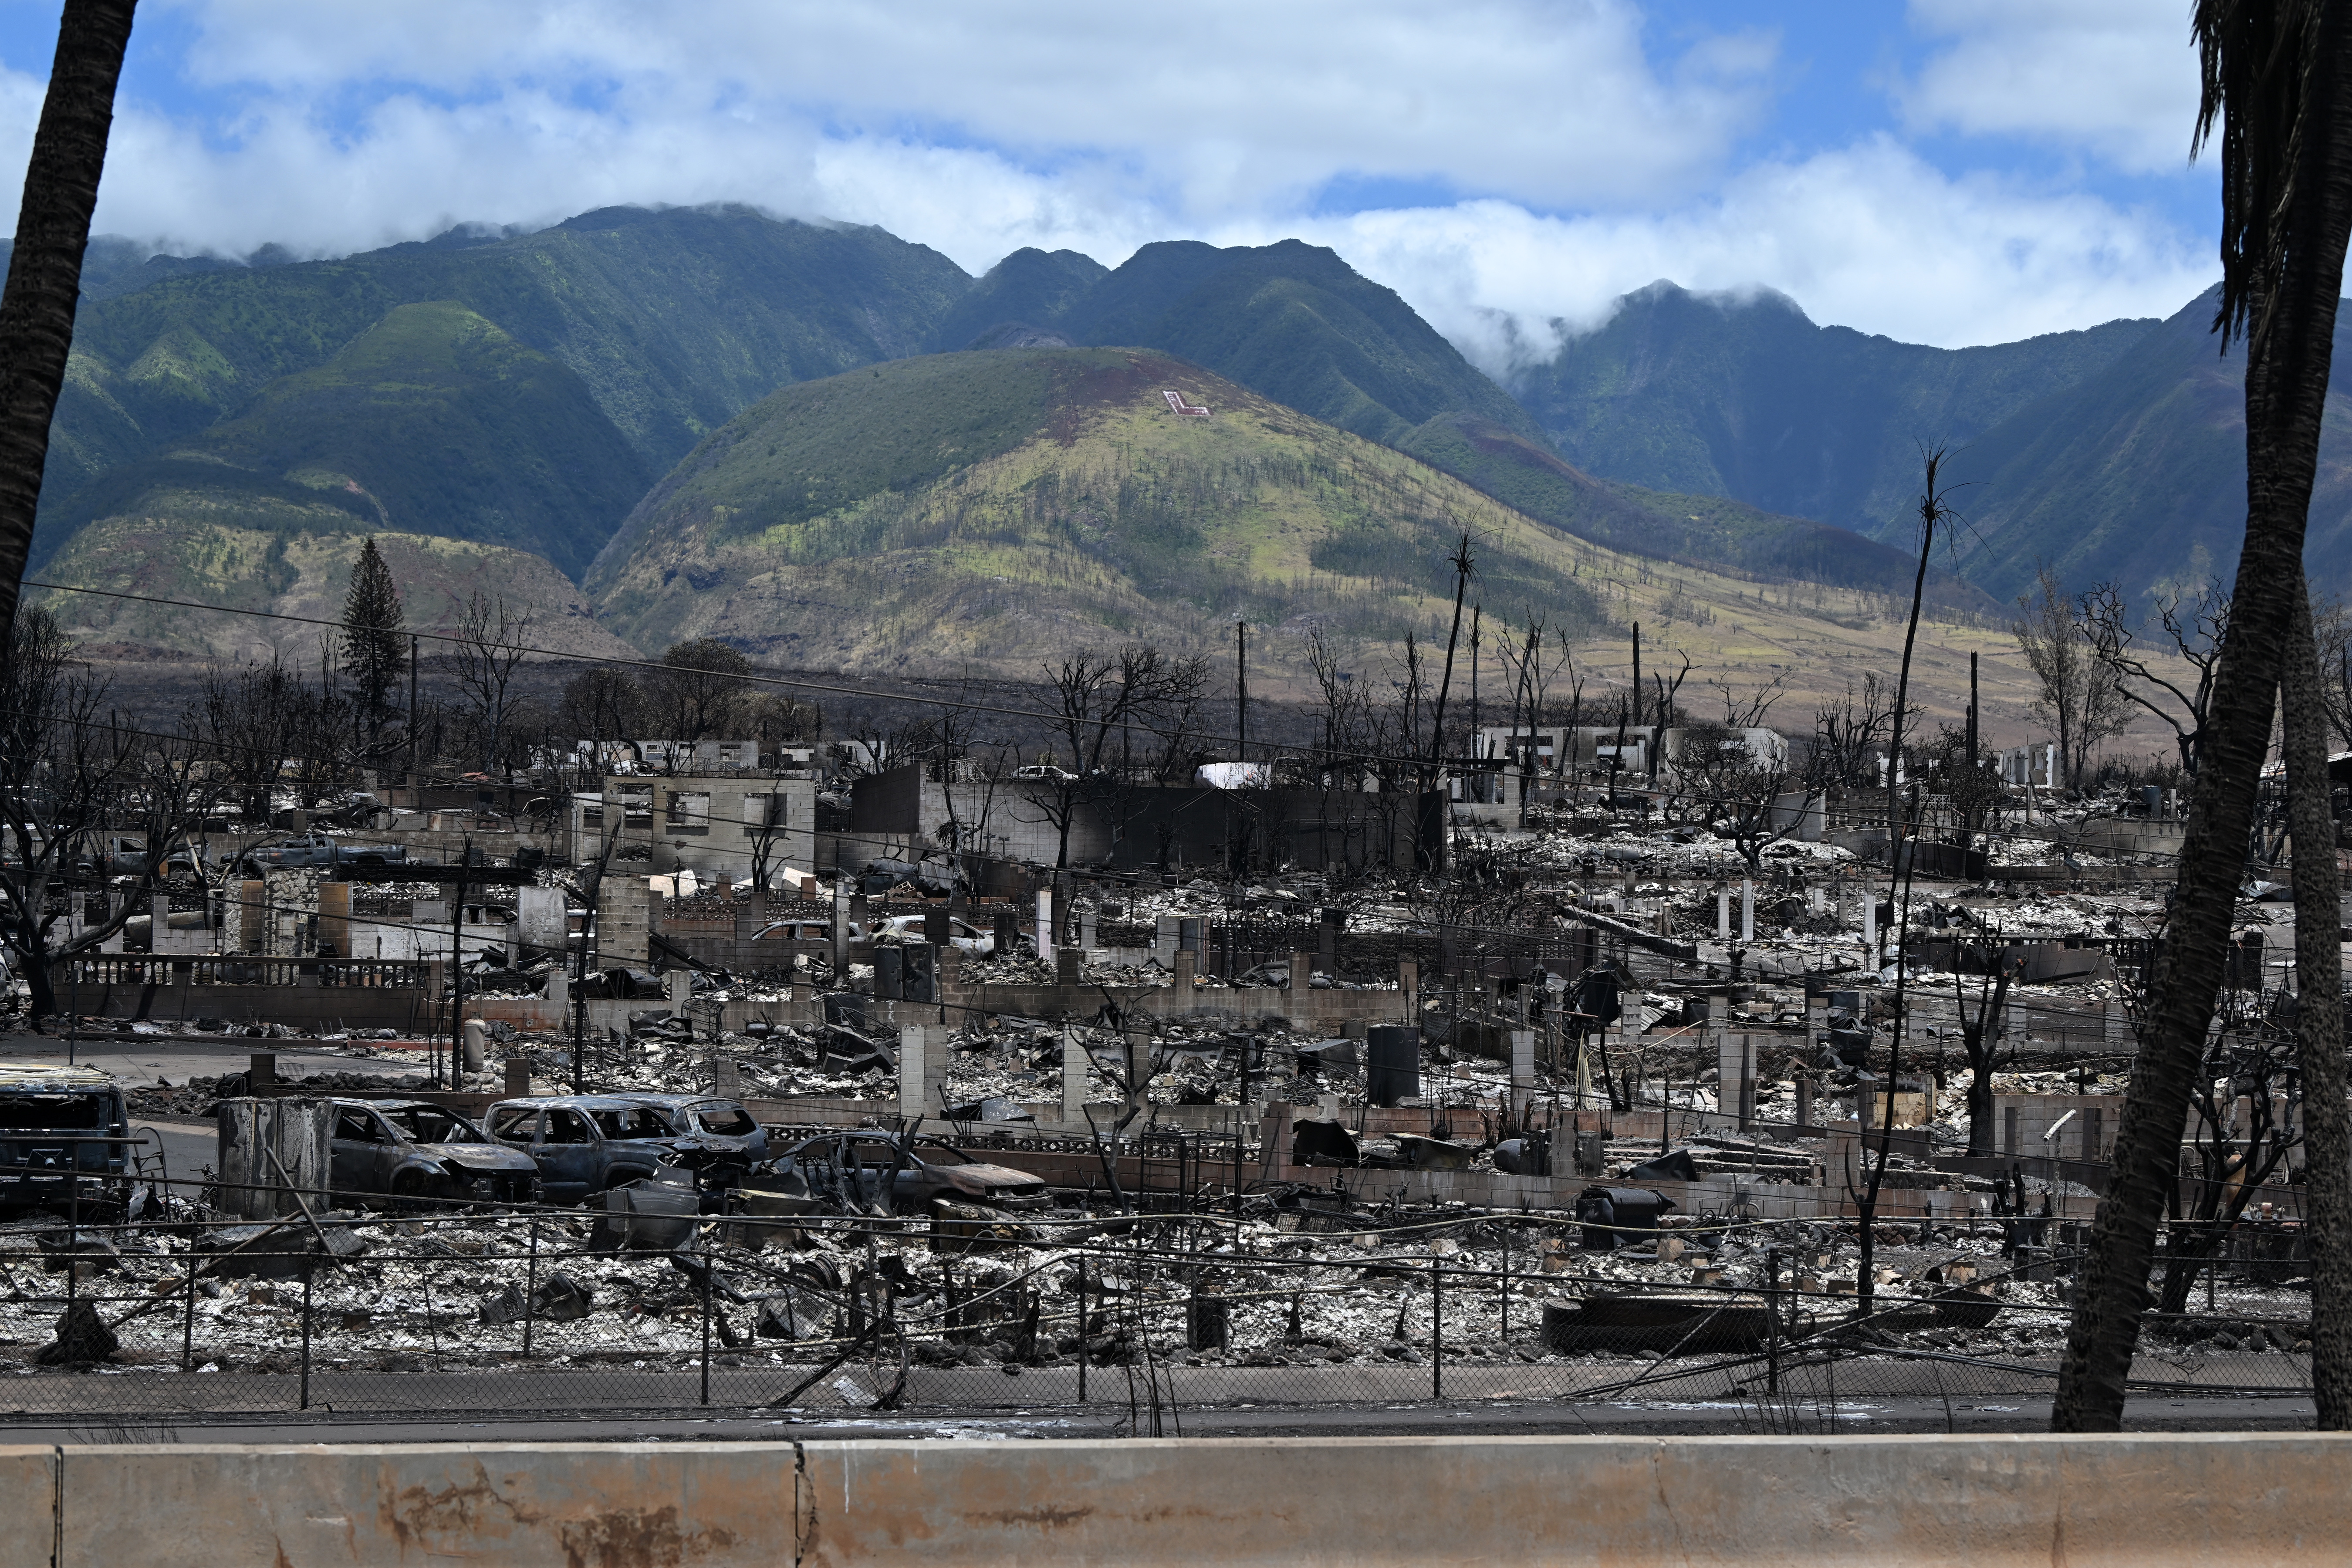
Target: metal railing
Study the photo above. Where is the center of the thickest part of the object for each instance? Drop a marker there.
(134, 970)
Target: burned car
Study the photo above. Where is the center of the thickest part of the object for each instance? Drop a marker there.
(712, 1134)
(870, 1167)
(412, 1152)
(585, 1143)
(55, 1120)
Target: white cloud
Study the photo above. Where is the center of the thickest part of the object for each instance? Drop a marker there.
(1213, 103)
(2116, 78)
(1868, 237)
(980, 132)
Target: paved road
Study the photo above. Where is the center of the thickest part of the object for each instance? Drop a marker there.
(146, 1061)
(189, 1147)
(189, 1144)
(1527, 1419)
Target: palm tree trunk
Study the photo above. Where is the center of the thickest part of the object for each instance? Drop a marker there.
(2319, 1024)
(37, 313)
(2288, 358)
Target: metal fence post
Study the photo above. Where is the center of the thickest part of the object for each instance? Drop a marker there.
(706, 1328)
(1081, 1329)
(1772, 1319)
(530, 1289)
(188, 1324)
(1437, 1328)
(73, 1232)
(1506, 1290)
(432, 1325)
(309, 1266)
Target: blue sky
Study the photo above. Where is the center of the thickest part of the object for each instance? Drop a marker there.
(1945, 170)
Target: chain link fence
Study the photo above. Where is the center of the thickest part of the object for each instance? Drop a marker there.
(169, 1313)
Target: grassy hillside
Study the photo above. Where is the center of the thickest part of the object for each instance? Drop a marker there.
(251, 551)
(1059, 506)
(1747, 398)
(431, 422)
(998, 506)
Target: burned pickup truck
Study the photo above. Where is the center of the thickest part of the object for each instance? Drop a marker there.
(57, 1124)
(587, 1143)
(317, 850)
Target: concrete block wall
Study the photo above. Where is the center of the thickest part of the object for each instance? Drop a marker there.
(1992, 1501)
(627, 911)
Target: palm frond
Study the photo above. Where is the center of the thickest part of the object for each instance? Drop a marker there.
(2257, 58)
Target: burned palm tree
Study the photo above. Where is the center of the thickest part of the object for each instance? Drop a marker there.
(2277, 74)
(36, 314)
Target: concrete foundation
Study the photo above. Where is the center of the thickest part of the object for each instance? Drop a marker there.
(1983, 1501)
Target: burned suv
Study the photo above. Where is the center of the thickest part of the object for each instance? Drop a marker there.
(56, 1123)
(412, 1151)
(718, 1139)
(583, 1143)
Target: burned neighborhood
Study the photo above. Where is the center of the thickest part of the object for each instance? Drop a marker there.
(1519, 1060)
(1073, 786)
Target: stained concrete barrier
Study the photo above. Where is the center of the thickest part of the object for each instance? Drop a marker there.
(1984, 1501)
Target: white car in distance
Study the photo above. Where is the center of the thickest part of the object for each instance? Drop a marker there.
(961, 934)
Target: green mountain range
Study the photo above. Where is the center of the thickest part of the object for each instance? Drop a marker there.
(524, 390)
(524, 394)
(2137, 474)
(2114, 454)
(1745, 396)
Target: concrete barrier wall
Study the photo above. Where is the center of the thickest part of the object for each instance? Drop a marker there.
(1985, 1503)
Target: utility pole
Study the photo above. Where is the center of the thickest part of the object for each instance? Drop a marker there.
(1475, 750)
(1240, 690)
(1637, 675)
(458, 966)
(415, 799)
(1969, 824)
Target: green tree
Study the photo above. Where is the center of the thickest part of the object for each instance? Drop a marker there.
(375, 649)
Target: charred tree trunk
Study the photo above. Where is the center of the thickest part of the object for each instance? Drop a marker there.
(36, 314)
(1980, 1110)
(2289, 65)
(2194, 1247)
(2319, 1023)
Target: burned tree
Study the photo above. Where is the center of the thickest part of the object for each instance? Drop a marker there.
(1846, 731)
(1531, 678)
(1733, 777)
(490, 646)
(2243, 1136)
(2274, 82)
(88, 802)
(699, 691)
(1092, 700)
(2195, 622)
(2077, 695)
(1981, 1041)
(603, 705)
(37, 312)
